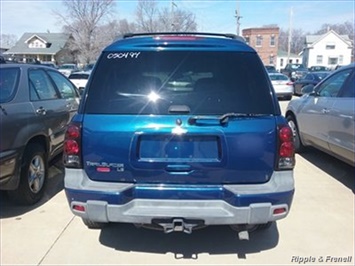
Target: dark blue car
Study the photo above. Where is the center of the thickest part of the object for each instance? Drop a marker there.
(178, 131)
(311, 78)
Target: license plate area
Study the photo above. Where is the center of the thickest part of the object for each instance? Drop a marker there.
(174, 148)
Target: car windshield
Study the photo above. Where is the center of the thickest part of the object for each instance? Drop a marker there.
(320, 75)
(165, 82)
(298, 67)
(8, 83)
(67, 67)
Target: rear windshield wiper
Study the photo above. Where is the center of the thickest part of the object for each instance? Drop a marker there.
(223, 119)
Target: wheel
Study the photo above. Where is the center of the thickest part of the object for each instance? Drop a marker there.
(251, 227)
(33, 176)
(288, 97)
(299, 147)
(93, 225)
(264, 226)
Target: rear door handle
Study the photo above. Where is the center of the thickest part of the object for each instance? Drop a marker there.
(41, 111)
(325, 111)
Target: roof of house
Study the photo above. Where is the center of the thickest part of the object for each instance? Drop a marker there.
(312, 39)
(55, 41)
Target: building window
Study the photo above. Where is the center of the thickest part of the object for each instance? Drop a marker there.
(332, 60)
(341, 59)
(271, 59)
(330, 46)
(297, 61)
(319, 59)
(258, 40)
(247, 39)
(282, 62)
(272, 40)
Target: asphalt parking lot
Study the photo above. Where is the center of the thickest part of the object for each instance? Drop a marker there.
(318, 231)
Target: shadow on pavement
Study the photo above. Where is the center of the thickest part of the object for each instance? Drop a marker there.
(211, 240)
(55, 184)
(339, 170)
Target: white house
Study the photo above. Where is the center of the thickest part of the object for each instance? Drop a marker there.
(42, 47)
(283, 58)
(329, 49)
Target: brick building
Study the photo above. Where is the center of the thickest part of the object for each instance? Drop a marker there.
(265, 41)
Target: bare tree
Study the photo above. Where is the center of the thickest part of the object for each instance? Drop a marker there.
(82, 20)
(126, 27)
(177, 20)
(8, 40)
(346, 28)
(149, 18)
(109, 32)
(147, 13)
(297, 40)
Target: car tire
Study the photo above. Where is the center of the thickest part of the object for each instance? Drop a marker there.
(93, 225)
(299, 147)
(33, 176)
(288, 98)
(264, 226)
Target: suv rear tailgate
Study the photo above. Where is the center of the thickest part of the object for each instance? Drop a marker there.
(155, 149)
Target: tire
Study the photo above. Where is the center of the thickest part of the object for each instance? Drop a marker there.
(251, 227)
(93, 225)
(299, 147)
(288, 98)
(33, 176)
(264, 226)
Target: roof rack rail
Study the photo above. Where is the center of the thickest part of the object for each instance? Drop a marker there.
(225, 35)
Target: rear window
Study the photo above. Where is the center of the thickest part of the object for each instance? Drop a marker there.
(200, 83)
(79, 76)
(8, 83)
(278, 77)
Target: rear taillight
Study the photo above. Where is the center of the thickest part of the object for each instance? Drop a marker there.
(286, 151)
(289, 83)
(72, 146)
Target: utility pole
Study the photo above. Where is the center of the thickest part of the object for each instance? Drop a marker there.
(172, 15)
(289, 37)
(238, 17)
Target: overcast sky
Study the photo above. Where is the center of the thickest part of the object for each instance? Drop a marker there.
(18, 17)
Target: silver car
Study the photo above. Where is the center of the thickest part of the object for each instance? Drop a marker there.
(324, 116)
(283, 86)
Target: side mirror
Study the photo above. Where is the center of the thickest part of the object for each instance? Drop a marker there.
(307, 89)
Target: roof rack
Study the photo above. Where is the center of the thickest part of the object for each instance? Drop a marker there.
(225, 35)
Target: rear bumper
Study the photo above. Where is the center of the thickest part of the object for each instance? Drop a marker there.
(227, 204)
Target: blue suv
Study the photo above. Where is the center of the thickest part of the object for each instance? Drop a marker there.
(179, 131)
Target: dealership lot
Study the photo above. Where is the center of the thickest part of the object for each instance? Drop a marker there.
(318, 231)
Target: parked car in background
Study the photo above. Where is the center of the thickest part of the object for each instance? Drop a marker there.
(324, 116)
(49, 64)
(89, 67)
(80, 79)
(310, 78)
(318, 68)
(294, 71)
(282, 84)
(271, 69)
(179, 138)
(36, 105)
(67, 69)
